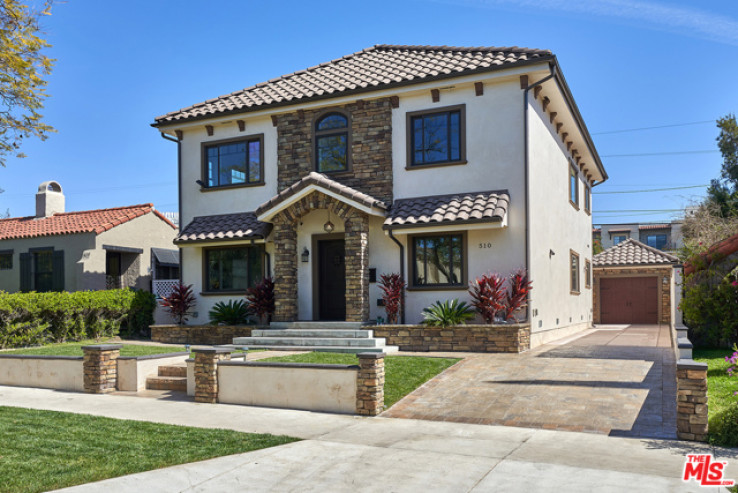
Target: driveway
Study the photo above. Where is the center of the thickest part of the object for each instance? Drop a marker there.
(615, 380)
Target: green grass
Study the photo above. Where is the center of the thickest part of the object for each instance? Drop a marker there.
(75, 349)
(402, 374)
(45, 450)
(720, 386)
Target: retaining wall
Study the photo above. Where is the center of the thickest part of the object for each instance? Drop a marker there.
(491, 338)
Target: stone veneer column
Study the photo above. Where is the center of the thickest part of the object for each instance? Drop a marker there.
(100, 366)
(206, 373)
(357, 267)
(370, 384)
(692, 400)
(285, 271)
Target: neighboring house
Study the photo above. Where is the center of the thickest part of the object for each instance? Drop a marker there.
(440, 163)
(85, 250)
(663, 236)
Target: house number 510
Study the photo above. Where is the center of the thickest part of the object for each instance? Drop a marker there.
(485, 245)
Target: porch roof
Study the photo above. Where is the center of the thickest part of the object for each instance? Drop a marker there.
(632, 253)
(223, 227)
(319, 182)
(452, 209)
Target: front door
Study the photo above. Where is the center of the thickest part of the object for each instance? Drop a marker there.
(331, 280)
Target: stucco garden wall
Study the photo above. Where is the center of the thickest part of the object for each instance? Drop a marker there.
(46, 372)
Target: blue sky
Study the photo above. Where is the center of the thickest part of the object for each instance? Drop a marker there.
(630, 64)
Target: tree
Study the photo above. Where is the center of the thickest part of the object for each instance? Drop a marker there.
(724, 191)
(23, 66)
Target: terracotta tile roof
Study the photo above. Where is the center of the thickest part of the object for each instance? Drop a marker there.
(473, 207)
(654, 226)
(224, 227)
(65, 223)
(632, 252)
(378, 67)
(322, 181)
(717, 251)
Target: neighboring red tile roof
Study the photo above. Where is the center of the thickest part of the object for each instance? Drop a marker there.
(375, 68)
(721, 249)
(65, 223)
(654, 226)
(632, 252)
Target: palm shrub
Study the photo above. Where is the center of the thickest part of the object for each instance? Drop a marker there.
(392, 286)
(517, 295)
(235, 312)
(179, 302)
(446, 313)
(261, 299)
(488, 296)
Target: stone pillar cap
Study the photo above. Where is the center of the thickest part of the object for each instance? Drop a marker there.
(371, 355)
(211, 350)
(102, 347)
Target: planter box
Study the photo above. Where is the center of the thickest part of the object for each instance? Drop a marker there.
(200, 334)
(477, 338)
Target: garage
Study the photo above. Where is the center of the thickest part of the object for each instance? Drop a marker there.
(633, 284)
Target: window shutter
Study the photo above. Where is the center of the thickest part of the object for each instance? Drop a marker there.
(58, 270)
(25, 272)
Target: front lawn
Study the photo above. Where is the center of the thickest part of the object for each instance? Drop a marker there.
(720, 386)
(402, 374)
(45, 450)
(75, 349)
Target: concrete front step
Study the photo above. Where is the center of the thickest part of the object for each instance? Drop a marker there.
(316, 325)
(330, 349)
(173, 371)
(167, 383)
(308, 341)
(323, 333)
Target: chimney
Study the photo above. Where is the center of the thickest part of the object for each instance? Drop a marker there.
(49, 199)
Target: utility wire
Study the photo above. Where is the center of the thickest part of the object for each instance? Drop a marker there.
(673, 153)
(650, 190)
(701, 122)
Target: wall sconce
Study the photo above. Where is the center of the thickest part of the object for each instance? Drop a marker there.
(328, 226)
(305, 255)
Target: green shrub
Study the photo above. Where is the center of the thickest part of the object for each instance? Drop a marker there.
(711, 310)
(444, 314)
(724, 426)
(235, 312)
(37, 318)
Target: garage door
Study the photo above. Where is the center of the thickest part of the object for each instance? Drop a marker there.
(629, 300)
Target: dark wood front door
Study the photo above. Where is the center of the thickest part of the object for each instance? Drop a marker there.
(331, 280)
(629, 300)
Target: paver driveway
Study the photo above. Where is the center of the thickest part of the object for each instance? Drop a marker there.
(617, 380)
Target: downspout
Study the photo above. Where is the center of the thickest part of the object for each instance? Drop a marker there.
(552, 68)
(179, 189)
(402, 272)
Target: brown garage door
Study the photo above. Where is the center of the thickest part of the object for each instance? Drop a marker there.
(629, 300)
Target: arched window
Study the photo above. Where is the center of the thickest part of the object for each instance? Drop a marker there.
(331, 143)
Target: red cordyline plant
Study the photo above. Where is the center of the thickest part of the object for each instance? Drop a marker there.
(517, 295)
(488, 296)
(392, 286)
(261, 299)
(179, 302)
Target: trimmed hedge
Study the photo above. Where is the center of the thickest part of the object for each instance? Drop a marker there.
(37, 318)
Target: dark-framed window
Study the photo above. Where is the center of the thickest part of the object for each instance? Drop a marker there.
(438, 260)
(332, 143)
(234, 162)
(233, 268)
(587, 274)
(574, 271)
(437, 137)
(587, 199)
(617, 239)
(6, 259)
(657, 240)
(573, 185)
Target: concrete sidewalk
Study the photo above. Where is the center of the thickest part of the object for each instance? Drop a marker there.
(346, 453)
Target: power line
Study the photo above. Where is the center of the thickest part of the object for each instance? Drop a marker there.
(625, 130)
(638, 210)
(650, 190)
(673, 153)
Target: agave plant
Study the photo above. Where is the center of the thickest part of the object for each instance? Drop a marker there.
(446, 313)
(179, 302)
(488, 296)
(261, 299)
(235, 312)
(392, 286)
(517, 295)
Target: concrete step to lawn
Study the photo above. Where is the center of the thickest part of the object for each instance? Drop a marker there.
(327, 333)
(173, 371)
(309, 341)
(167, 383)
(325, 349)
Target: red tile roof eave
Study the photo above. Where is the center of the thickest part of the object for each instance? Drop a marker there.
(725, 247)
(158, 123)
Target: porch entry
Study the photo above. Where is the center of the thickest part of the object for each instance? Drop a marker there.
(331, 280)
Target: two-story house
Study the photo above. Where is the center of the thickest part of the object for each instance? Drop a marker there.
(442, 163)
(663, 236)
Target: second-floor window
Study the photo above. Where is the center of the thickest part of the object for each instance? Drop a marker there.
(332, 143)
(619, 239)
(587, 199)
(656, 241)
(234, 162)
(573, 186)
(436, 137)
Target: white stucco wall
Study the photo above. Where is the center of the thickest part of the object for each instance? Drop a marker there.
(44, 373)
(555, 226)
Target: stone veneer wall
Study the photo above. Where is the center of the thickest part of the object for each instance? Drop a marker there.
(200, 334)
(692, 400)
(650, 271)
(501, 338)
(371, 147)
(370, 384)
(206, 373)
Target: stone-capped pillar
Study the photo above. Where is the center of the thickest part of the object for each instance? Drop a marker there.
(370, 384)
(357, 267)
(691, 400)
(100, 366)
(285, 271)
(206, 372)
